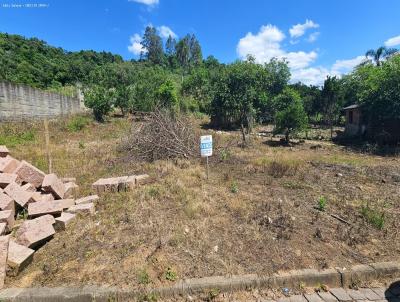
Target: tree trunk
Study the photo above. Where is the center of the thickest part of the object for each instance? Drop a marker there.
(287, 136)
(243, 134)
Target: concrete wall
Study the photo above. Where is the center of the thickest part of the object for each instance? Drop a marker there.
(22, 102)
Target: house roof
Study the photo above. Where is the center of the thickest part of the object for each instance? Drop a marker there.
(354, 106)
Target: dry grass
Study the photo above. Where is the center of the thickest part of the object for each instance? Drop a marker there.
(255, 214)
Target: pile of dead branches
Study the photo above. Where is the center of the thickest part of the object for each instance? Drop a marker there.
(164, 135)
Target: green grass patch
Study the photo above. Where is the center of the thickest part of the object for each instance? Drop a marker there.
(373, 216)
(15, 139)
(78, 123)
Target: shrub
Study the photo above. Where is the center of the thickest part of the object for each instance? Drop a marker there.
(278, 169)
(322, 203)
(143, 277)
(77, 123)
(100, 100)
(170, 275)
(374, 217)
(234, 187)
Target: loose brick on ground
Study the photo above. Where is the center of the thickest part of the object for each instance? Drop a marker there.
(32, 233)
(3, 258)
(52, 184)
(6, 203)
(19, 257)
(64, 203)
(71, 189)
(86, 208)
(87, 199)
(29, 187)
(106, 185)
(8, 164)
(40, 208)
(7, 217)
(4, 151)
(3, 228)
(6, 179)
(341, 294)
(142, 179)
(18, 194)
(63, 221)
(28, 173)
(68, 179)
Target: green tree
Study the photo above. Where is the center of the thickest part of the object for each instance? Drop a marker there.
(380, 54)
(332, 99)
(153, 44)
(240, 91)
(100, 100)
(167, 96)
(290, 117)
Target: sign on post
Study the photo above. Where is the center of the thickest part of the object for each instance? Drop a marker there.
(206, 147)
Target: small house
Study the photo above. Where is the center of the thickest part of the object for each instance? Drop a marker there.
(355, 124)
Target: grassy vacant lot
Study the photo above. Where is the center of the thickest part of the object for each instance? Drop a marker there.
(264, 208)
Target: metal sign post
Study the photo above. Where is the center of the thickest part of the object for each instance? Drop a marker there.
(206, 148)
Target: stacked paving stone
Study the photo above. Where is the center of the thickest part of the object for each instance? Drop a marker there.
(49, 203)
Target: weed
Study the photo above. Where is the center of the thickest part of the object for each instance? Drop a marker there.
(23, 214)
(374, 217)
(151, 297)
(77, 123)
(14, 139)
(213, 294)
(322, 203)
(278, 169)
(234, 187)
(154, 192)
(170, 275)
(225, 154)
(81, 145)
(143, 277)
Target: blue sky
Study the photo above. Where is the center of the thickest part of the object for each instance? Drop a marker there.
(318, 37)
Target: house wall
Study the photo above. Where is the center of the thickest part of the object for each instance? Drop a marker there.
(22, 102)
(353, 128)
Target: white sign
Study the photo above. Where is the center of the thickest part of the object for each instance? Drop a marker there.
(206, 145)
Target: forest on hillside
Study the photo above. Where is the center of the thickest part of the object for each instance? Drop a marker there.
(173, 74)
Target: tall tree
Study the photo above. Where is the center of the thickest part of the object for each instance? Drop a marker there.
(196, 55)
(380, 54)
(170, 51)
(153, 44)
(183, 51)
(331, 97)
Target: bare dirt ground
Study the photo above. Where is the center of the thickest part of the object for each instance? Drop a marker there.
(257, 212)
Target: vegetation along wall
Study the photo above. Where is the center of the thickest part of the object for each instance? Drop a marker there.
(19, 102)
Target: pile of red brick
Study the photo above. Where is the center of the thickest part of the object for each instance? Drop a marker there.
(33, 206)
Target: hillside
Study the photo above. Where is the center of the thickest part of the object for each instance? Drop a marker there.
(35, 63)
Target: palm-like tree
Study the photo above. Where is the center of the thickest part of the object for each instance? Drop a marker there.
(380, 54)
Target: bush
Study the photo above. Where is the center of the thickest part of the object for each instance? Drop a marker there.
(77, 123)
(374, 217)
(100, 100)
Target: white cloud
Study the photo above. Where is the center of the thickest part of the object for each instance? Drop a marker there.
(345, 66)
(310, 76)
(146, 2)
(165, 32)
(299, 29)
(313, 37)
(393, 41)
(266, 44)
(136, 48)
